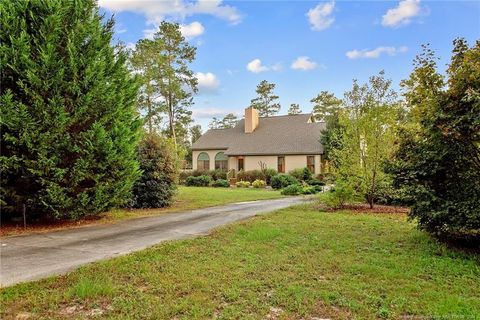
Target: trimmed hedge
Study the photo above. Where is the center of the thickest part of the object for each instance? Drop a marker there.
(221, 183)
(200, 181)
(259, 184)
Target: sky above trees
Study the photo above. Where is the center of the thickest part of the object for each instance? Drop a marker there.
(303, 47)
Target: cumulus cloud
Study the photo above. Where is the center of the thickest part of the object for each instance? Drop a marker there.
(207, 82)
(157, 11)
(375, 53)
(402, 14)
(256, 66)
(303, 63)
(192, 30)
(320, 17)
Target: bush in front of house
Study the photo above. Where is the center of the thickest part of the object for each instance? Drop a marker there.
(311, 189)
(259, 184)
(281, 181)
(269, 174)
(221, 183)
(243, 184)
(293, 190)
(301, 174)
(159, 164)
(315, 182)
(200, 181)
(250, 175)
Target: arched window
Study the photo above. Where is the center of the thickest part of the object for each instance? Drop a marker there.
(221, 161)
(203, 161)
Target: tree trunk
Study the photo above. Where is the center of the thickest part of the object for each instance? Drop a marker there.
(171, 120)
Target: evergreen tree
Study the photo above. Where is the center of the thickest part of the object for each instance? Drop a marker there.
(68, 127)
(229, 121)
(325, 104)
(163, 63)
(294, 109)
(266, 101)
(195, 133)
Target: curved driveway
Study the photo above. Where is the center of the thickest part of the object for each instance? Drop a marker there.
(35, 256)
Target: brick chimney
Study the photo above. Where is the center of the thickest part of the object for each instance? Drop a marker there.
(251, 119)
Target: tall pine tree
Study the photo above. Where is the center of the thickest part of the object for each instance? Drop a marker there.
(69, 128)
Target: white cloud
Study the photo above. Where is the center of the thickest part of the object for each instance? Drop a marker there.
(202, 113)
(402, 14)
(157, 11)
(148, 33)
(375, 53)
(192, 30)
(321, 17)
(207, 82)
(303, 63)
(256, 66)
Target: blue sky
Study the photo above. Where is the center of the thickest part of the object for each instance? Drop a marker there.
(301, 46)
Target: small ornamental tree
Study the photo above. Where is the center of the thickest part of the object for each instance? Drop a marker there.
(159, 163)
(68, 127)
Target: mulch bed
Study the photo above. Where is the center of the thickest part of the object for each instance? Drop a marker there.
(365, 208)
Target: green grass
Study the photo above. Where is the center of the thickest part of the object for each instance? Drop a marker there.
(189, 198)
(296, 263)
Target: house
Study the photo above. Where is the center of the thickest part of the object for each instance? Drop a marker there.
(283, 143)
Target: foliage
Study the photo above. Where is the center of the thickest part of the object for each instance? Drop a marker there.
(67, 103)
(294, 109)
(266, 102)
(195, 133)
(228, 122)
(269, 173)
(312, 190)
(339, 195)
(159, 164)
(243, 184)
(163, 64)
(214, 174)
(292, 190)
(259, 184)
(325, 104)
(437, 164)
(369, 120)
(250, 175)
(221, 183)
(198, 181)
(315, 182)
(281, 181)
(301, 174)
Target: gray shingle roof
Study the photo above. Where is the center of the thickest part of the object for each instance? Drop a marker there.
(273, 136)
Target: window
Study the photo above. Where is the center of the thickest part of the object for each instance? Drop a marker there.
(311, 163)
(281, 164)
(240, 164)
(203, 161)
(221, 161)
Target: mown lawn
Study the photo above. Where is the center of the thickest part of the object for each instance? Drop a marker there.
(296, 263)
(189, 198)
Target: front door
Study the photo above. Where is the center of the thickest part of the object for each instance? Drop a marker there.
(240, 164)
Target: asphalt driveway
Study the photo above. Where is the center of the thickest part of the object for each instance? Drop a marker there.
(35, 256)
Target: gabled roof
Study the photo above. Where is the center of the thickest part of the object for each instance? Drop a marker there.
(274, 136)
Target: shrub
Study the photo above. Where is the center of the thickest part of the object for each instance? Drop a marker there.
(250, 175)
(338, 196)
(259, 184)
(311, 190)
(269, 173)
(214, 174)
(243, 184)
(183, 175)
(292, 190)
(159, 164)
(200, 181)
(221, 183)
(69, 127)
(281, 181)
(315, 182)
(301, 174)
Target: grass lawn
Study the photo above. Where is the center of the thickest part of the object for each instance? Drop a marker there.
(187, 198)
(296, 263)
